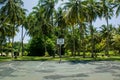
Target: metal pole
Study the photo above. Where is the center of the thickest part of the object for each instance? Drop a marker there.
(60, 53)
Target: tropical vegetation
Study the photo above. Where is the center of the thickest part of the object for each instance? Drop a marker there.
(73, 21)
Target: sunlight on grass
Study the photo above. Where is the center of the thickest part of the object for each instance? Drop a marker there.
(76, 58)
(3, 58)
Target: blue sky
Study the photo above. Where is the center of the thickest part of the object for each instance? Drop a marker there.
(29, 4)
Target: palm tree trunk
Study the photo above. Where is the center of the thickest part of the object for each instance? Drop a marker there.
(1, 48)
(92, 41)
(72, 52)
(45, 44)
(22, 38)
(2, 51)
(107, 39)
(22, 41)
(82, 31)
(73, 41)
(12, 54)
(83, 46)
(44, 40)
(80, 40)
(53, 55)
(78, 49)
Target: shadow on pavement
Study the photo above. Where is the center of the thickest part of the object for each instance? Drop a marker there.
(7, 72)
(57, 77)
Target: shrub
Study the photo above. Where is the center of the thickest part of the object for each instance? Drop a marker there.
(36, 47)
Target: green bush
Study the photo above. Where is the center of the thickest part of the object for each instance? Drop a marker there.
(50, 46)
(36, 47)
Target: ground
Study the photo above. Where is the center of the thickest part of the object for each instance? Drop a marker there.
(66, 70)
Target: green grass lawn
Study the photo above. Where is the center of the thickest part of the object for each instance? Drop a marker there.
(77, 58)
(3, 58)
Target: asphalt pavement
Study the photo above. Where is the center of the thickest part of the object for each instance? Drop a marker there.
(66, 70)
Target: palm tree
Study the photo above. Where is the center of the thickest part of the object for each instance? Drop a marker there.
(75, 15)
(93, 11)
(70, 19)
(97, 39)
(116, 39)
(107, 12)
(39, 25)
(60, 21)
(2, 1)
(30, 25)
(48, 9)
(82, 37)
(3, 32)
(2, 19)
(107, 34)
(48, 12)
(40, 22)
(61, 25)
(13, 10)
(22, 26)
(117, 3)
(70, 39)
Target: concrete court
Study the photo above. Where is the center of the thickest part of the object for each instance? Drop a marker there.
(66, 70)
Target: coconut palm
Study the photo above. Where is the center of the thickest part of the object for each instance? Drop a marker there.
(60, 23)
(40, 25)
(22, 26)
(107, 12)
(116, 39)
(40, 21)
(116, 42)
(82, 37)
(93, 12)
(117, 3)
(107, 34)
(48, 12)
(4, 29)
(2, 1)
(13, 10)
(75, 15)
(49, 9)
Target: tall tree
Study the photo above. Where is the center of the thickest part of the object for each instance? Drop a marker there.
(2, 1)
(105, 34)
(13, 9)
(61, 25)
(75, 14)
(117, 3)
(116, 39)
(48, 7)
(22, 23)
(93, 12)
(107, 12)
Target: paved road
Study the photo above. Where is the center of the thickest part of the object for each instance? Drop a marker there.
(52, 70)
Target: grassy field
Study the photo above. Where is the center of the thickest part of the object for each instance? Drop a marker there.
(77, 58)
(3, 58)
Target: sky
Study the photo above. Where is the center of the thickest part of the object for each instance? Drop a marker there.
(29, 4)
